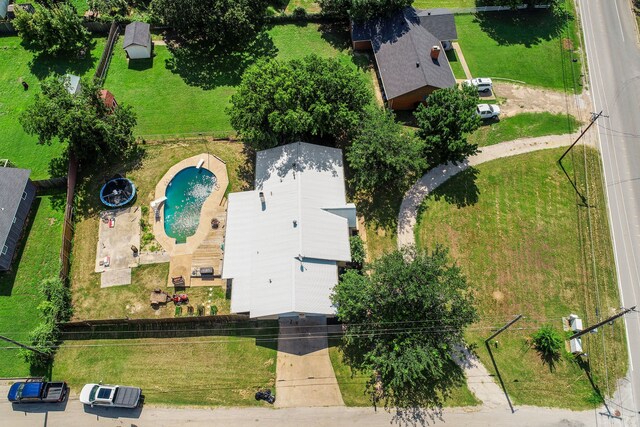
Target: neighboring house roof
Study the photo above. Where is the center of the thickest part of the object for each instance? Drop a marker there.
(137, 33)
(282, 256)
(439, 22)
(12, 184)
(402, 48)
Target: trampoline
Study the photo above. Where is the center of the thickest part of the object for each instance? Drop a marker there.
(117, 192)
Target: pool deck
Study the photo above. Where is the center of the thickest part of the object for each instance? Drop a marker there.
(204, 248)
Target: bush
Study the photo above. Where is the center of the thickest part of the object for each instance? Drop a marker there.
(299, 12)
(358, 251)
(57, 306)
(548, 341)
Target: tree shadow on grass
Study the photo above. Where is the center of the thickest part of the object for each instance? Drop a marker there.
(461, 190)
(205, 68)
(43, 65)
(336, 34)
(246, 170)
(527, 28)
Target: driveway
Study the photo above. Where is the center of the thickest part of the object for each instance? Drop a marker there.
(304, 375)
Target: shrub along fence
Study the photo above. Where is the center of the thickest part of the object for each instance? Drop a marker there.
(177, 327)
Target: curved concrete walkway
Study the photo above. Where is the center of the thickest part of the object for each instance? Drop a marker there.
(437, 176)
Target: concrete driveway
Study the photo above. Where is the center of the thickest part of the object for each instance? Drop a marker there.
(304, 375)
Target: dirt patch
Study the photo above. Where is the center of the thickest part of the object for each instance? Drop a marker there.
(498, 296)
(527, 99)
(567, 44)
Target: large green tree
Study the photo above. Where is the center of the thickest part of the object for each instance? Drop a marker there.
(82, 122)
(383, 155)
(110, 8)
(362, 9)
(404, 321)
(56, 30)
(279, 102)
(446, 120)
(222, 24)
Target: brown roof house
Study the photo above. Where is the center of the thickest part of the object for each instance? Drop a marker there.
(408, 47)
(17, 193)
(108, 99)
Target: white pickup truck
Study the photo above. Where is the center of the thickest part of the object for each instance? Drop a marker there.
(116, 396)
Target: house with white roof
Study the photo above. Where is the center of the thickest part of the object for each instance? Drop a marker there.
(286, 239)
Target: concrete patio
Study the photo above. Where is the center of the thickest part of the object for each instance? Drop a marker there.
(114, 256)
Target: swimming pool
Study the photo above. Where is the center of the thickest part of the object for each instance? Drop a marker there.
(186, 193)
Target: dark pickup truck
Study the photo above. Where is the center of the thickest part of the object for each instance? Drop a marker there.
(37, 391)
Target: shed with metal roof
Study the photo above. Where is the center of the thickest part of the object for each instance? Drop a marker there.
(17, 193)
(137, 40)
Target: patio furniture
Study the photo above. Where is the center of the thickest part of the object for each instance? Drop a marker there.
(178, 281)
(159, 297)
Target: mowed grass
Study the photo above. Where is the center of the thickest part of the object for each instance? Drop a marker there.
(188, 95)
(93, 302)
(432, 4)
(38, 259)
(533, 47)
(528, 245)
(17, 65)
(353, 385)
(210, 371)
(311, 6)
(456, 65)
(524, 125)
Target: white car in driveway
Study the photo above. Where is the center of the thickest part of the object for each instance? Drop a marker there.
(488, 111)
(483, 84)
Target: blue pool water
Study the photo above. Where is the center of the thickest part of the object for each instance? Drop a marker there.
(186, 193)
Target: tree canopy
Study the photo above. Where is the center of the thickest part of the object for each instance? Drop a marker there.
(112, 8)
(446, 120)
(279, 102)
(426, 303)
(362, 9)
(56, 30)
(90, 130)
(222, 24)
(382, 155)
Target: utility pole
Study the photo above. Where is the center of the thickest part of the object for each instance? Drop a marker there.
(486, 343)
(594, 117)
(597, 325)
(23, 346)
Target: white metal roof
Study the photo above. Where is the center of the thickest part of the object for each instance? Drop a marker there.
(282, 255)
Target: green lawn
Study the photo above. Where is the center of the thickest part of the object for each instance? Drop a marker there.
(16, 65)
(311, 6)
(353, 385)
(533, 47)
(19, 296)
(456, 66)
(209, 371)
(188, 94)
(523, 125)
(528, 245)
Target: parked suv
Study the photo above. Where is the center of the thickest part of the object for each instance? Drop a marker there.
(483, 84)
(488, 111)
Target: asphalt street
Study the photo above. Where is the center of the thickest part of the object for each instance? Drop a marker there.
(614, 73)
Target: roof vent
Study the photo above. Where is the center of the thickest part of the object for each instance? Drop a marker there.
(295, 223)
(428, 13)
(417, 65)
(263, 201)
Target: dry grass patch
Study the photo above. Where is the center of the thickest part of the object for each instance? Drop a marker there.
(528, 245)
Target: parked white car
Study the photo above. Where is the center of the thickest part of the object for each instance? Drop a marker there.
(488, 111)
(110, 395)
(483, 84)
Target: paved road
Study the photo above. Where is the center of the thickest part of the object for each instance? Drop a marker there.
(614, 68)
(75, 414)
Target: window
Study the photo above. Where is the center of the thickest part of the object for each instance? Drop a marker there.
(4, 250)
(24, 195)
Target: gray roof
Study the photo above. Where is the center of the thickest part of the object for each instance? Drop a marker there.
(12, 184)
(137, 33)
(402, 47)
(439, 22)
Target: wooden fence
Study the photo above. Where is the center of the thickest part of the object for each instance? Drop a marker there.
(105, 59)
(192, 326)
(51, 183)
(67, 226)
